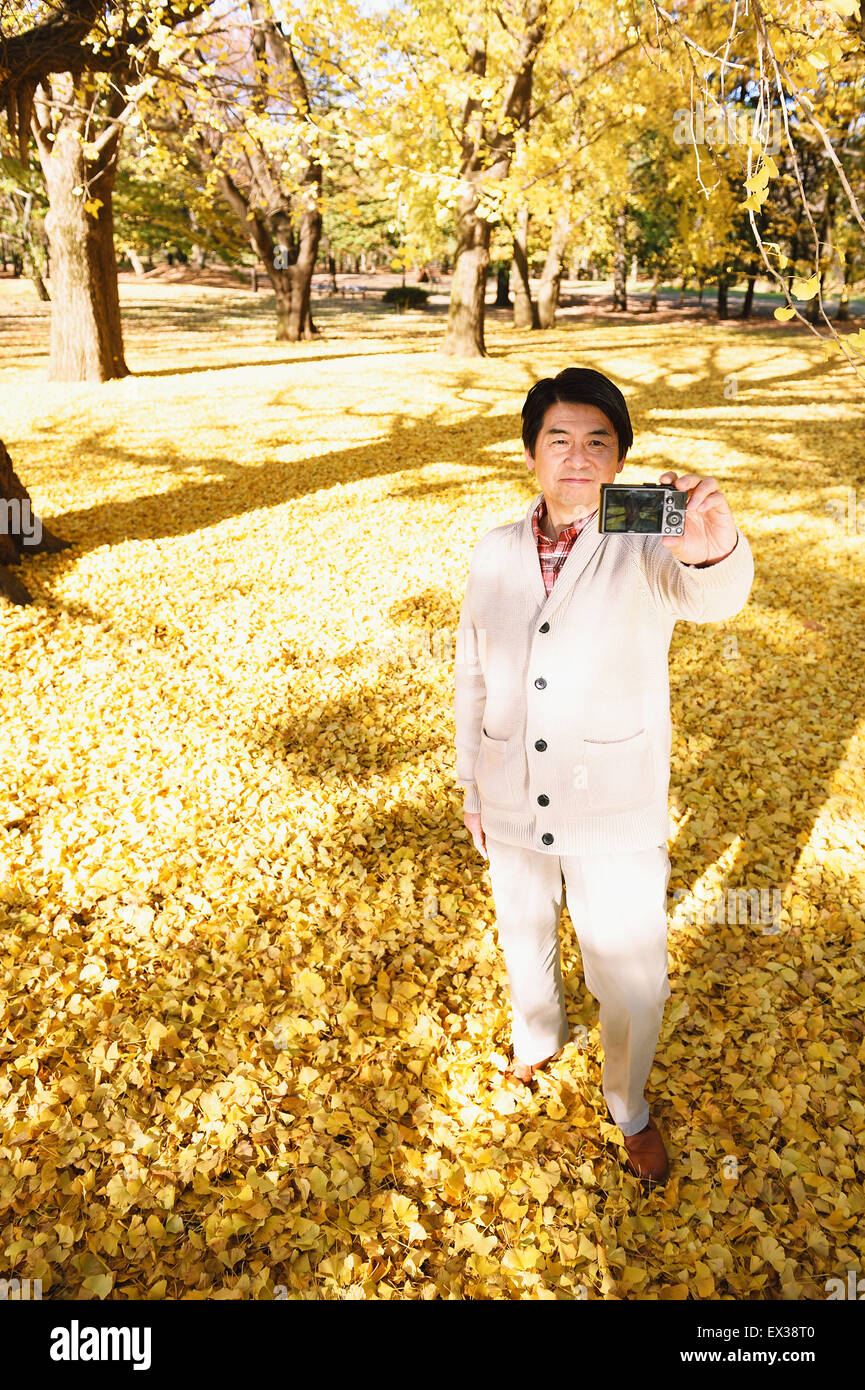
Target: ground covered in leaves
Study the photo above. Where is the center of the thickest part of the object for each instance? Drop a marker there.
(255, 1017)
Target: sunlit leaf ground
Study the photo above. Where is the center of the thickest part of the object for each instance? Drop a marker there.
(255, 1016)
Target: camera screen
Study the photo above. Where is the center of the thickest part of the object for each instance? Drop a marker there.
(634, 510)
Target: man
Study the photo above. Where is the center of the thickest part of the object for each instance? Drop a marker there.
(563, 732)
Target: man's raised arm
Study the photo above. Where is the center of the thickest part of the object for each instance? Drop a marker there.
(705, 575)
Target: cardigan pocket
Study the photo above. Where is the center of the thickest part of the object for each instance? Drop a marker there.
(619, 772)
(492, 771)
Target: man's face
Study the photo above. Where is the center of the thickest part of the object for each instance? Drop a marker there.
(576, 450)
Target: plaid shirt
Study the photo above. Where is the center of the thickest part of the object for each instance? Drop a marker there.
(553, 554)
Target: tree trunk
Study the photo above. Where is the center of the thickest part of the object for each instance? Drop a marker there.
(331, 266)
(289, 256)
(488, 143)
(748, 301)
(525, 308)
(551, 276)
(29, 538)
(722, 296)
(134, 260)
(503, 276)
(620, 263)
(35, 278)
(298, 322)
(32, 260)
(86, 332)
(682, 289)
(293, 315)
(653, 297)
(464, 334)
(283, 224)
(825, 231)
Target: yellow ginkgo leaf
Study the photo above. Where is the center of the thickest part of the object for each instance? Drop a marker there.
(846, 8)
(404, 1209)
(100, 1284)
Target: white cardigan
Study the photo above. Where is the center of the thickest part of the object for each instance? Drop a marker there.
(562, 703)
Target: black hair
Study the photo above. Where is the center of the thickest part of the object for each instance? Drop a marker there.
(577, 386)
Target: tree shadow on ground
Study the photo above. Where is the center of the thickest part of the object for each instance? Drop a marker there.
(769, 676)
(375, 350)
(408, 444)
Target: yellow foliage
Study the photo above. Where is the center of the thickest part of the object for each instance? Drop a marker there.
(256, 1019)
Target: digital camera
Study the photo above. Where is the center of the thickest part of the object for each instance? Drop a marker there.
(656, 508)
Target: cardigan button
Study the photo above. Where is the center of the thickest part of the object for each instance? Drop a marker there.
(540, 683)
(547, 839)
(540, 745)
(545, 627)
(543, 800)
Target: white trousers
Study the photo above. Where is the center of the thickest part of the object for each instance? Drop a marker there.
(618, 905)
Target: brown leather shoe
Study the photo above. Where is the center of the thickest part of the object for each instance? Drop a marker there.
(647, 1157)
